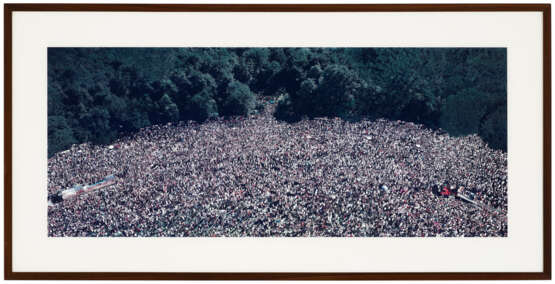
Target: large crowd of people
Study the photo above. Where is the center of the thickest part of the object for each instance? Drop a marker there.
(259, 177)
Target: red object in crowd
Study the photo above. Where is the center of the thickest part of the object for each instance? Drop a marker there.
(445, 191)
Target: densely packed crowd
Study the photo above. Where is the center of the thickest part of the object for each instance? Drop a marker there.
(260, 177)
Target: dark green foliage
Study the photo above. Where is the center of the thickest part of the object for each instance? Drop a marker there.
(253, 62)
(315, 72)
(494, 128)
(60, 135)
(168, 109)
(335, 96)
(305, 99)
(188, 83)
(239, 100)
(463, 112)
(203, 107)
(399, 88)
(260, 107)
(285, 110)
(97, 121)
(331, 92)
(98, 94)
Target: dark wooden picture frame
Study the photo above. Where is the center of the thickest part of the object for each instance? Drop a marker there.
(9, 9)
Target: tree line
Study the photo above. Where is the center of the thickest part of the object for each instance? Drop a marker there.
(99, 94)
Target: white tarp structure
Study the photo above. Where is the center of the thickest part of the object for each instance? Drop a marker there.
(69, 193)
(78, 189)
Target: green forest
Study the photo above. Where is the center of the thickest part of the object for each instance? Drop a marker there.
(100, 94)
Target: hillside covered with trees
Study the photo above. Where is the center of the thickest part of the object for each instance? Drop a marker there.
(100, 94)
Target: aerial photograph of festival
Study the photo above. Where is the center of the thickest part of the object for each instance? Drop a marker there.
(277, 142)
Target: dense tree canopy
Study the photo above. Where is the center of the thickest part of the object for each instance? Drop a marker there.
(98, 94)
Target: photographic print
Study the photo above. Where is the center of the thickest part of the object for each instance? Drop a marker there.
(277, 142)
(281, 150)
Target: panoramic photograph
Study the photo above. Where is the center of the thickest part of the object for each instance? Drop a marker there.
(277, 142)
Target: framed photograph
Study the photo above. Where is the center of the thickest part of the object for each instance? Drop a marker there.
(306, 141)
